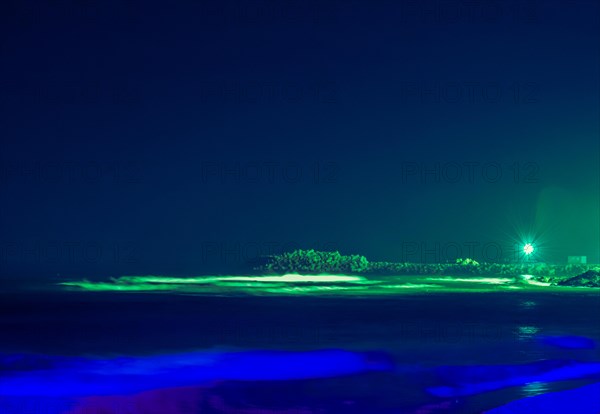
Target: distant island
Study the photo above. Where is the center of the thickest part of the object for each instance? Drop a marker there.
(320, 262)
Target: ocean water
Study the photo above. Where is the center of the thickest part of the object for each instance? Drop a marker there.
(420, 332)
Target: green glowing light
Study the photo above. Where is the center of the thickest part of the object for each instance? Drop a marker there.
(410, 286)
(294, 278)
(221, 284)
(536, 283)
(528, 249)
(486, 280)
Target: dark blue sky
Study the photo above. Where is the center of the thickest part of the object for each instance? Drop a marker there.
(192, 138)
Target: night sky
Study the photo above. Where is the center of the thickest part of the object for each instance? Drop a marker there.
(151, 138)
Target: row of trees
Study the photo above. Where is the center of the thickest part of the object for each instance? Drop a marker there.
(311, 261)
(315, 262)
(471, 267)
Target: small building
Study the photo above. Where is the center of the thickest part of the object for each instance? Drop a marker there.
(577, 259)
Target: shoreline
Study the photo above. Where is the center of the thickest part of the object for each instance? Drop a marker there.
(321, 285)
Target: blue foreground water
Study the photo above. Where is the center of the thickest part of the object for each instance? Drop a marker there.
(451, 352)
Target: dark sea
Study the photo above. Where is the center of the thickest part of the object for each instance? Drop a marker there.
(419, 332)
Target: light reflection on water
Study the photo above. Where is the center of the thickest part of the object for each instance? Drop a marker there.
(527, 304)
(534, 388)
(525, 333)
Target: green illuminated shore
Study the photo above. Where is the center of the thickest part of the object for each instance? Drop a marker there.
(309, 272)
(322, 285)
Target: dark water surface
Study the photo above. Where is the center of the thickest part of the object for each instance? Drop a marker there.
(419, 331)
